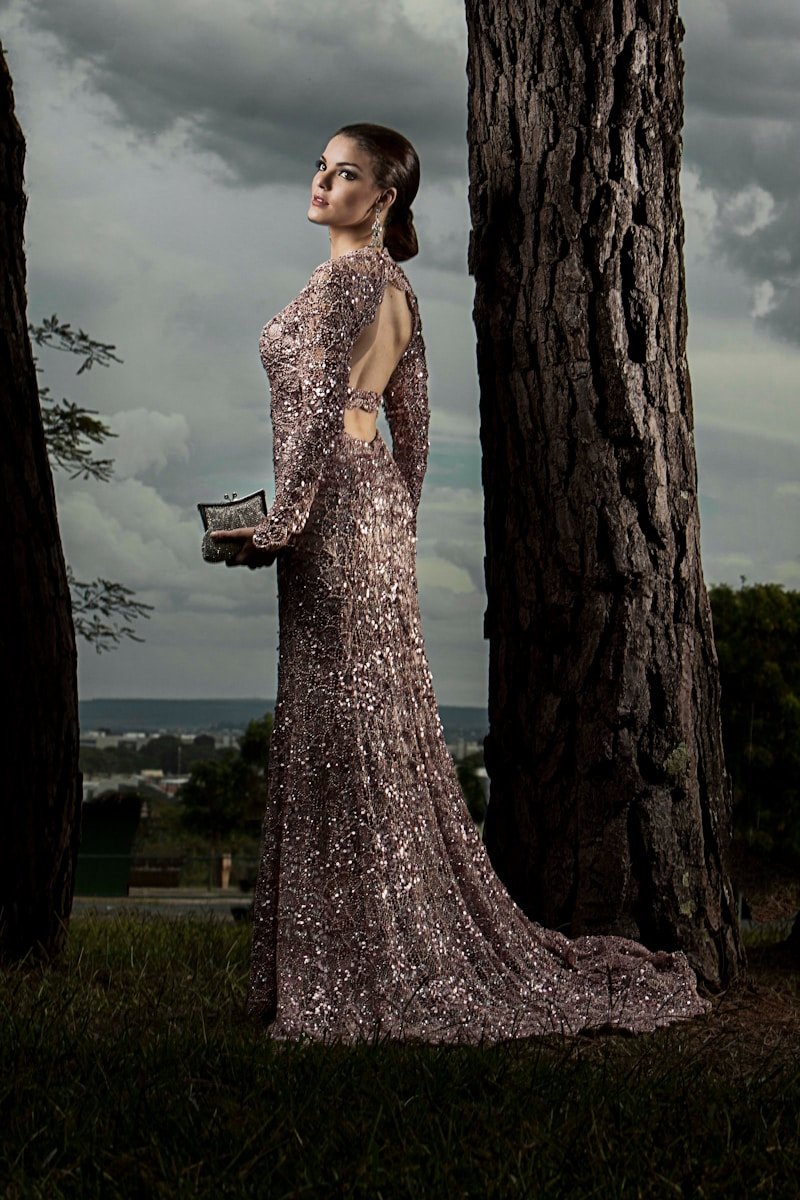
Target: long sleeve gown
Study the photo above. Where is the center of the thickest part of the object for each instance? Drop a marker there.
(377, 912)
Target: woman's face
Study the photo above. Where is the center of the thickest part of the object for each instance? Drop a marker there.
(343, 190)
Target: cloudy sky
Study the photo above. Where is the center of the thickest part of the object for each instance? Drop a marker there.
(170, 149)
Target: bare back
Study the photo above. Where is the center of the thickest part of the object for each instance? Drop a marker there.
(376, 352)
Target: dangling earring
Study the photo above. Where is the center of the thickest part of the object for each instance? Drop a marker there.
(376, 241)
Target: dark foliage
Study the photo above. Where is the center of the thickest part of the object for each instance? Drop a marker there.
(103, 611)
(71, 431)
(472, 785)
(757, 634)
(226, 794)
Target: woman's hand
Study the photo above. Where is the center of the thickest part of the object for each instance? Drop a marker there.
(249, 555)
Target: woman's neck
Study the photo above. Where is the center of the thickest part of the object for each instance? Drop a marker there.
(344, 243)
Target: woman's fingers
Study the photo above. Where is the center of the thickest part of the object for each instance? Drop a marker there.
(233, 535)
(251, 556)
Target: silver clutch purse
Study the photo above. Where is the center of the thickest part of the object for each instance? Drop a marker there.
(231, 513)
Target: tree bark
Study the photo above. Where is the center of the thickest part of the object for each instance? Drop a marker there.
(610, 807)
(39, 775)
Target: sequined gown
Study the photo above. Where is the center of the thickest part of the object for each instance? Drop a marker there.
(377, 912)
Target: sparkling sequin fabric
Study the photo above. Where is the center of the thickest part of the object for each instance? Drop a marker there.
(377, 912)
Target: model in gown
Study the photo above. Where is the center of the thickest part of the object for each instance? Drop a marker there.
(377, 913)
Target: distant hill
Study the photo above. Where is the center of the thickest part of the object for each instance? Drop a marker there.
(194, 716)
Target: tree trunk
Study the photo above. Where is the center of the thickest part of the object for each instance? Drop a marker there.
(39, 776)
(610, 805)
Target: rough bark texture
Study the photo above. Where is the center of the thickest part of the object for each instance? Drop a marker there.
(610, 806)
(39, 778)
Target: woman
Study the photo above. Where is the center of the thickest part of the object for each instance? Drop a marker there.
(376, 911)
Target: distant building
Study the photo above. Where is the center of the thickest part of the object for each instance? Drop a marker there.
(172, 784)
(483, 775)
(460, 747)
(104, 739)
(154, 780)
(99, 785)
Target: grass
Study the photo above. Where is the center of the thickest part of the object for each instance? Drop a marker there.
(129, 1069)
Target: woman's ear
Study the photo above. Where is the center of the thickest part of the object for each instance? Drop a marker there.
(388, 198)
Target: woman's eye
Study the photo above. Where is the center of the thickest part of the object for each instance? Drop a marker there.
(320, 165)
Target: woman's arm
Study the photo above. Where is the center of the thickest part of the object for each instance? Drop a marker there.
(343, 301)
(408, 413)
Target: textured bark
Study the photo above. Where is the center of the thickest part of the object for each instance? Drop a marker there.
(39, 777)
(610, 806)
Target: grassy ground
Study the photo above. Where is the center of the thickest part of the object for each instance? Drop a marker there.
(129, 1069)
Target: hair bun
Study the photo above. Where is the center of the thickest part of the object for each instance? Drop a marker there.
(403, 216)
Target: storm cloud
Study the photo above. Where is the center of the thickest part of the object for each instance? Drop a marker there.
(256, 84)
(170, 150)
(742, 136)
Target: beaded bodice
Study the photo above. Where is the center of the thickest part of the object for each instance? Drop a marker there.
(306, 350)
(362, 398)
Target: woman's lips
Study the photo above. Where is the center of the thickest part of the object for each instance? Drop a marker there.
(319, 203)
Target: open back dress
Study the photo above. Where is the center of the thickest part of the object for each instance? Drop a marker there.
(377, 913)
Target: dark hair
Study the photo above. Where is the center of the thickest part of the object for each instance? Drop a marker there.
(394, 164)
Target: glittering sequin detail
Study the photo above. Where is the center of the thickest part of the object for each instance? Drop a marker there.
(361, 398)
(377, 912)
(306, 351)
